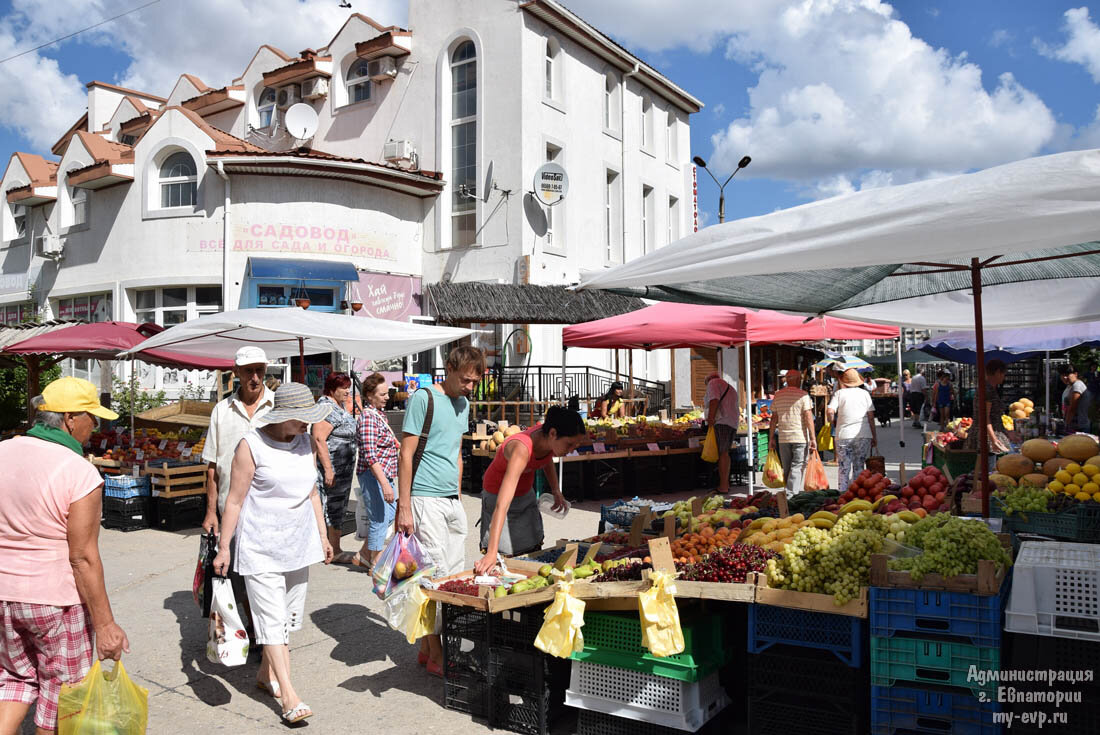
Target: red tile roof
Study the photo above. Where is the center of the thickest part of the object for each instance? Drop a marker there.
(316, 155)
(40, 171)
(146, 95)
(196, 82)
(104, 150)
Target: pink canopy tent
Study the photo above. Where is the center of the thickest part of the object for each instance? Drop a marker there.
(671, 325)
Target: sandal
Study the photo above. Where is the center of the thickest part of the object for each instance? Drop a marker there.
(271, 687)
(344, 557)
(434, 669)
(300, 712)
(358, 561)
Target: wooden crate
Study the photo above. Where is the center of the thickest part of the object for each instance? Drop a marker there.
(811, 601)
(480, 602)
(110, 466)
(180, 413)
(173, 481)
(987, 581)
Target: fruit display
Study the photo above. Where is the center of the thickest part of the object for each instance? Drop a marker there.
(152, 443)
(1080, 482)
(460, 587)
(814, 500)
(613, 538)
(1025, 499)
(728, 565)
(692, 547)
(1078, 448)
(1021, 409)
(493, 442)
(774, 533)
(1015, 465)
(681, 511)
(1039, 450)
(926, 491)
(867, 486)
(950, 546)
(834, 561)
(626, 570)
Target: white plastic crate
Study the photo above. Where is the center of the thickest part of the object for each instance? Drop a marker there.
(1055, 590)
(662, 701)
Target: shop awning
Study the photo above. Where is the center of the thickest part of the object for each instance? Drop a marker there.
(283, 269)
(506, 303)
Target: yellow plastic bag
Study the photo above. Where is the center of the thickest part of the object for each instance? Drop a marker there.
(710, 446)
(660, 618)
(560, 634)
(103, 703)
(420, 615)
(825, 438)
(773, 470)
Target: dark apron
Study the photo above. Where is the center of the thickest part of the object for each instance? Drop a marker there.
(522, 530)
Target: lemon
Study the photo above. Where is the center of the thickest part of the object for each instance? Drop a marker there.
(1080, 478)
(1072, 489)
(1063, 477)
(1073, 468)
(1082, 496)
(1055, 486)
(1091, 488)
(1096, 497)
(1091, 470)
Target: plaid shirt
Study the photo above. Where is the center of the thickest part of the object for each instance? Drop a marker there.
(377, 443)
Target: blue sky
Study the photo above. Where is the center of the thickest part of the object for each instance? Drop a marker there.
(827, 96)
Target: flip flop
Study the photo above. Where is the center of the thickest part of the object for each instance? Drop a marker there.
(300, 712)
(344, 557)
(271, 687)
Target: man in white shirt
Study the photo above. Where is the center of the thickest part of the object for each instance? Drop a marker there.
(792, 427)
(918, 386)
(230, 420)
(723, 414)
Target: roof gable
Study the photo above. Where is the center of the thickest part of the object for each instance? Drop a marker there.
(40, 171)
(273, 55)
(58, 148)
(186, 87)
(373, 24)
(102, 149)
(221, 139)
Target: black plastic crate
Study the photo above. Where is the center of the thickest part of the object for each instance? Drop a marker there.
(127, 514)
(516, 629)
(682, 472)
(813, 688)
(645, 475)
(466, 660)
(527, 690)
(590, 722)
(605, 479)
(185, 511)
(1046, 653)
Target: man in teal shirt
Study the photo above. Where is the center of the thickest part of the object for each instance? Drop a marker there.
(429, 504)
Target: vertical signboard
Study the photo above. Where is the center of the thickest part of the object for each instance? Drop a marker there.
(695, 198)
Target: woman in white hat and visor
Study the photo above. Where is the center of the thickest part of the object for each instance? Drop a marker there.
(281, 531)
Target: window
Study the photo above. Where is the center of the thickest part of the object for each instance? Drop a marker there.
(647, 219)
(552, 71)
(610, 101)
(127, 139)
(176, 304)
(612, 230)
(16, 314)
(358, 82)
(464, 144)
(673, 233)
(647, 116)
(266, 107)
(670, 138)
(549, 71)
(95, 308)
(19, 215)
(319, 297)
(178, 181)
(553, 240)
(79, 199)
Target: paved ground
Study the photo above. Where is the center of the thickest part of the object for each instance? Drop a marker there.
(348, 665)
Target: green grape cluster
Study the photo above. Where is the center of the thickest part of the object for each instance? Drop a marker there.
(914, 535)
(952, 547)
(835, 562)
(1026, 498)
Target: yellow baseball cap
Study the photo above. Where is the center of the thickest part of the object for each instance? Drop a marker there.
(73, 395)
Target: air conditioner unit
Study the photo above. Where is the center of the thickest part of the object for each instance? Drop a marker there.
(315, 89)
(288, 95)
(398, 150)
(382, 70)
(48, 246)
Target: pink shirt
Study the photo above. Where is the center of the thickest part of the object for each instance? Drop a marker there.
(39, 482)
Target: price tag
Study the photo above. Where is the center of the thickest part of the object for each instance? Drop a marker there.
(598, 447)
(181, 446)
(139, 455)
(652, 446)
(574, 453)
(693, 442)
(135, 470)
(163, 444)
(186, 453)
(103, 444)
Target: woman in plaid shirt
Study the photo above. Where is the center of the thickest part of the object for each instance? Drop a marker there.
(377, 469)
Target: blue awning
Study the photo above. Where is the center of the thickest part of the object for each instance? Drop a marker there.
(281, 269)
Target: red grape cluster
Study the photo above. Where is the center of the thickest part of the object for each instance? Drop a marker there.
(623, 573)
(460, 587)
(730, 564)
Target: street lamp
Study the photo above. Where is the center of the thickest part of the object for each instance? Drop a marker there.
(722, 186)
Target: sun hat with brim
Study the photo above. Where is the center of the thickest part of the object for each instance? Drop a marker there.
(851, 378)
(74, 395)
(294, 402)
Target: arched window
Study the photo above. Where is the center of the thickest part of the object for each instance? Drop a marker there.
(178, 181)
(79, 199)
(266, 106)
(610, 101)
(19, 222)
(464, 144)
(358, 82)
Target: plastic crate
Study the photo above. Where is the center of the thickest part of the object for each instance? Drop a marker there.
(127, 514)
(1079, 523)
(775, 715)
(646, 697)
(1036, 652)
(516, 629)
(938, 613)
(927, 710)
(182, 511)
(616, 640)
(944, 663)
(805, 686)
(526, 690)
(1056, 591)
(465, 660)
(618, 514)
(841, 635)
(645, 474)
(126, 486)
(599, 723)
(681, 472)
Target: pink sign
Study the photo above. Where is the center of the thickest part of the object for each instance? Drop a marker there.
(386, 296)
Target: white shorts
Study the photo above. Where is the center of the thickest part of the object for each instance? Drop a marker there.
(278, 602)
(440, 525)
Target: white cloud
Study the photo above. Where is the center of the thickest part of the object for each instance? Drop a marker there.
(845, 95)
(718, 110)
(1082, 45)
(36, 91)
(1001, 37)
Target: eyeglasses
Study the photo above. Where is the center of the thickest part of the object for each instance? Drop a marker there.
(94, 418)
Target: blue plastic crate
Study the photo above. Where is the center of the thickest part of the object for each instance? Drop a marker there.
(126, 486)
(841, 635)
(939, 614)
(924, 710)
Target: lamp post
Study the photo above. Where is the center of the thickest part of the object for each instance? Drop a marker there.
(698, 160)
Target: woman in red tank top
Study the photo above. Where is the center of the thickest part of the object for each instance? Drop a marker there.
(510, 518)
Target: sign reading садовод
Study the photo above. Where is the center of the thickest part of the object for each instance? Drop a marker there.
(551, 183)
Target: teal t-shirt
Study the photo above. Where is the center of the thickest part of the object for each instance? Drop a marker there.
(437, 475)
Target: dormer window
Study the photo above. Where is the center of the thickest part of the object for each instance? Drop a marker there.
(79, 199)
(178, 181)
(266, 107)
(358, 82)
(19, 214)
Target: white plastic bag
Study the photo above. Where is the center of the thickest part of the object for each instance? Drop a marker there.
(226, 641)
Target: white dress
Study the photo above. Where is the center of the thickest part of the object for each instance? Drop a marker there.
(277, 531)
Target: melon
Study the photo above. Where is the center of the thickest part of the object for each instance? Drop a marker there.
(1028, 402)
(1017, 406)
(498, 437)
(1002, 481)
(1034, 479)
(1019, 413)
(1039, 450)
(1015, 465)
(512, 430)
(1051, 466)
(1094, 461)
(1078, 447)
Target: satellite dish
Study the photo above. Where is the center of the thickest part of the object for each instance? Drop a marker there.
(488, 183)
(551, 183)
(301, 121)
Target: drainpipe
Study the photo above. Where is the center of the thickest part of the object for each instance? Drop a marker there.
(622, 156)
(225, 234)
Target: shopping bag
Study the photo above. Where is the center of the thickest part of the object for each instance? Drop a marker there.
(660, 618)
(815, 477)
(204, 569)
(710, 446)
(409, 611)
(825, 439)
(226, 640)
(103, 703)
(773, 470)
(560, 634)
(402, 558)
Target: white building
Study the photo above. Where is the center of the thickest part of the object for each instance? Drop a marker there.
(384, 198)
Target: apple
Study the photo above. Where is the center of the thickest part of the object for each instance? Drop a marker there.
(907, 491)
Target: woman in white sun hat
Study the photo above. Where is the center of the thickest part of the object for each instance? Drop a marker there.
(274, 508)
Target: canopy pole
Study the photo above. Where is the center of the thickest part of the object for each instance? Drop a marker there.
(1046, 381)
(630, 369)
(748, 418)
(302, 358)
(132, 389)
(981, 418)
(564, 392)
(901, 397)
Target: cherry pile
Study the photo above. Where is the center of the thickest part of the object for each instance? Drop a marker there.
(460, 587)
(730, 564)
(624, 573)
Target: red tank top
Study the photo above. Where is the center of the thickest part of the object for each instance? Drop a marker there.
(494, 476)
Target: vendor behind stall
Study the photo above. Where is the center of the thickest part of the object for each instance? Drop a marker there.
(510, 518)
(999, 442)
(611, 403)
(1076, 400)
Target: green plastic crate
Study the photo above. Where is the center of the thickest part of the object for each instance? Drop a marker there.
(947, 663)
(616, 640)
(1080, 523)
(954, 461)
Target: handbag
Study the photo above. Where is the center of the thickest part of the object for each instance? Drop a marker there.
(226, 640)
(825, 438)
(204, 572)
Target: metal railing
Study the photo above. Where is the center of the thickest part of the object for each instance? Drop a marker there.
(543, 383)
